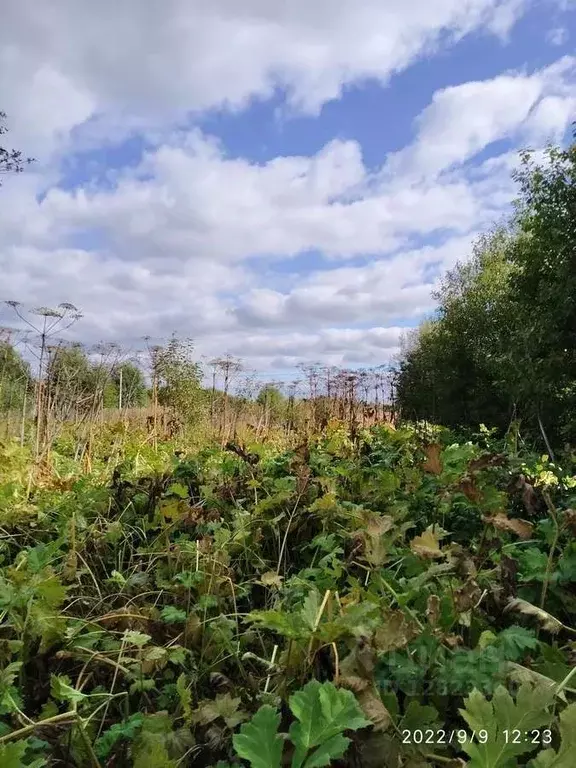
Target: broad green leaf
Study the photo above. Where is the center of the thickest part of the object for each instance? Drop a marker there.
(132, 637)
(127, 729)
(61, 690)
(566, 755)
(12, 756)
(328, 751)
(310, 608)
(223, 706)
(503, 714)
(258, 741)
(177, 489)
(323, 711)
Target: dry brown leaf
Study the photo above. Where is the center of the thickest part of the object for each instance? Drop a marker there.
(487, 460)
(547, 621)
(466, 596)
(376, 526)
(467, 486)
(426, 545)
(375, 549)
(522, 528)
(461, 561)
(521, 674)
(529, 498)
(369, 700)
(433, 461)
(357, 675)
(396, 632)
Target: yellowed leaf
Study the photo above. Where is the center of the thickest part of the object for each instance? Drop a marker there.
(426, 545)
(271, 579)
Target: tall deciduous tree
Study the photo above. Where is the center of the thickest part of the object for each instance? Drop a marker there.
(503, 342)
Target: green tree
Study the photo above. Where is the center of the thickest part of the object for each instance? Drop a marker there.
(543, 353)
(129, 386)
(503, 342)
(272, 401)
(453, 368)
(178, 377)
(71, 382)
(14, 377)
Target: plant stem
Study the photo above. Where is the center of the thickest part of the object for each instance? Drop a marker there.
(63, 717)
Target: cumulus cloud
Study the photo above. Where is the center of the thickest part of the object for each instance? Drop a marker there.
(169, 244)
(461, 120)
(172, 56)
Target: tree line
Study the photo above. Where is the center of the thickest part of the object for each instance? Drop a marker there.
(501, 347)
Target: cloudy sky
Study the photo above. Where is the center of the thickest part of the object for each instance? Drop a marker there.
(282, 180)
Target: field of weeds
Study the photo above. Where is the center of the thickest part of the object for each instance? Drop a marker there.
(400, 599)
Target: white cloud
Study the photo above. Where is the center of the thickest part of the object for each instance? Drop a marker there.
(557, 36)
(167, 245)
(384, 290)
(63, 61)
(461, 120)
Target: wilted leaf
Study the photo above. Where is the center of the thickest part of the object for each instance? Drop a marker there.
(369, 700)
(375, 549)
(396, 632)
(546, 620)
(521, 674)
(467, 596)
(529, 498)
(433, 610)
(522, 528)
(433, 461)
(426, 545)
(468, 487)
(357, 675)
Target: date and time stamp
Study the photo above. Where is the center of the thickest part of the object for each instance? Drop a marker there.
(461, 736)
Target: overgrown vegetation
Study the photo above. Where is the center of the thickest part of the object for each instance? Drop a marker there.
(370, 598)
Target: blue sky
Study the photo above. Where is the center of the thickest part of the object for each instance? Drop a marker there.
(282, 183)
